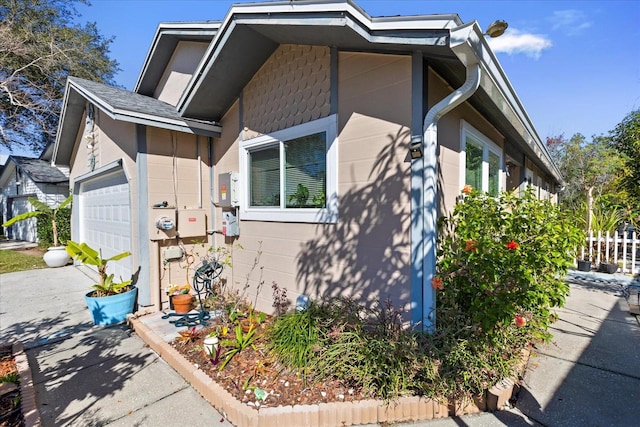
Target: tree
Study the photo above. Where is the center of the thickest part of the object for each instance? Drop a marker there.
(40, 46)
(588, 168)
(625, 138)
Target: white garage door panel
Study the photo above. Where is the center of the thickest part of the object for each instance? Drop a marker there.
(105, 219)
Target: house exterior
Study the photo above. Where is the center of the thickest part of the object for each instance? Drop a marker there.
(282, 135)
(24, 177)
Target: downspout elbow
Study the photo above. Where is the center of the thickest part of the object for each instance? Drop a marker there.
(464, 39)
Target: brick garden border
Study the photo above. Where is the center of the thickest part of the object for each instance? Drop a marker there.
(337, 414)
(30, 411)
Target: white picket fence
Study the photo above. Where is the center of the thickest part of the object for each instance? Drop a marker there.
(616, 248)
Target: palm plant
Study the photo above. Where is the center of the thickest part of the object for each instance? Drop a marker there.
(89, 256)
(42, 209)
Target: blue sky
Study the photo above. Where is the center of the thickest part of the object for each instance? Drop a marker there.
(574, 64)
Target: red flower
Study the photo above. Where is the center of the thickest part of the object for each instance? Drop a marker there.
(467, 189)
(520, 321)
(512, 245)
(436, 282)
(470, 245)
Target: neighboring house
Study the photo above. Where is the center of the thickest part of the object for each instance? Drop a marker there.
(294, 120)
(24, 177)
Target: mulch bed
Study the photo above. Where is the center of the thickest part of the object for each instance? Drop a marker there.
(253, 371)
(10, 409)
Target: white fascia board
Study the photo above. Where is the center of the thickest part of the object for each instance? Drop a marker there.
(65, 101)
(471, 45)
(173, 28)
(353, 16)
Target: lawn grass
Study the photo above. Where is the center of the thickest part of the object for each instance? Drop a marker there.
(11, 261)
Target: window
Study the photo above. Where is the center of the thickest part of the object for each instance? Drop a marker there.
(481, 161)
(291, 175)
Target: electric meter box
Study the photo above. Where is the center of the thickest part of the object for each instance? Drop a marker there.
(192, 223)
(228, 194)
(163, 224)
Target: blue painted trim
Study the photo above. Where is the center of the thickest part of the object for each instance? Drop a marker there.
(142, 254)
(417, 183)
(333, 77)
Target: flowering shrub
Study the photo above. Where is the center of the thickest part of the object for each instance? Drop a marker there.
(502, 261)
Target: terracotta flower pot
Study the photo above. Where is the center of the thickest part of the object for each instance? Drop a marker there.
(182, 303)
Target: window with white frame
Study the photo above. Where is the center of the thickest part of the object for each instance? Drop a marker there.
(481, 161)
(291, 175)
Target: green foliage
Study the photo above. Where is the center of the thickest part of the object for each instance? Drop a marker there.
(12, 261)
(368, 348)
(242, 341)
(299, 198)
(63, 225)
(625, 138)
(11, 377)
(605, 218)
(503, 258)
(45, 211)
(589, 168)
(89, 256)
(41, 44)
(293, 337)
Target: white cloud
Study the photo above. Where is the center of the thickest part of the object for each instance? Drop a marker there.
(515, 42)
(572, 22)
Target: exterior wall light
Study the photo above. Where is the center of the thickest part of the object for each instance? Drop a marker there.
(415, 149)
(497, 28)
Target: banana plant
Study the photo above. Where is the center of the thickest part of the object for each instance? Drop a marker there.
(42, 209)
(89, 256)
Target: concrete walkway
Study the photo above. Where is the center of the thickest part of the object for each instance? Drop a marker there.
(87, 375)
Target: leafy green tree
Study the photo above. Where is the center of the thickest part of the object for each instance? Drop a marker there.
(40, 45)
(625, 138)
(589, 169)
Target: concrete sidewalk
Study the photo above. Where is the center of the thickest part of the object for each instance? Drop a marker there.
(87, 375)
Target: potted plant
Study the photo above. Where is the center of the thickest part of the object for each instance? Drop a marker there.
(174, 292)
(56, 256)
(609, 267)
(109, 302)
(584, 265)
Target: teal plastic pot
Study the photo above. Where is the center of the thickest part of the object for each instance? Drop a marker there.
(113, 309)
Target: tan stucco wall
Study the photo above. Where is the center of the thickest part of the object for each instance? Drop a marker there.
(181, 67)
(172, 163)
(367, 252)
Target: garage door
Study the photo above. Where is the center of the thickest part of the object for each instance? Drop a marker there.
(104, 218)
(22, 230)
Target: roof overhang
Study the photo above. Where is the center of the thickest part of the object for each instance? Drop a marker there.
(250, 33)
(164, 43)
(495, 98)
(75, 101)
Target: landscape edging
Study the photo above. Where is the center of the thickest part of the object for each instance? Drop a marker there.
(338, 414)
(28, 405)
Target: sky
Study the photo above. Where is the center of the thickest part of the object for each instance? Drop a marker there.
(575, 65)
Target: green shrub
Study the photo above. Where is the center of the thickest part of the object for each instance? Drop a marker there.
(45, 229)
(293, 338)
(500, 273)
(369, 348)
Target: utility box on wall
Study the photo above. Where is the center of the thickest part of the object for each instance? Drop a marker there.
(228, 194)
(192, 223)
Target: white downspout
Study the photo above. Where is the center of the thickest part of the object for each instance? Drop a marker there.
(462, 44)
